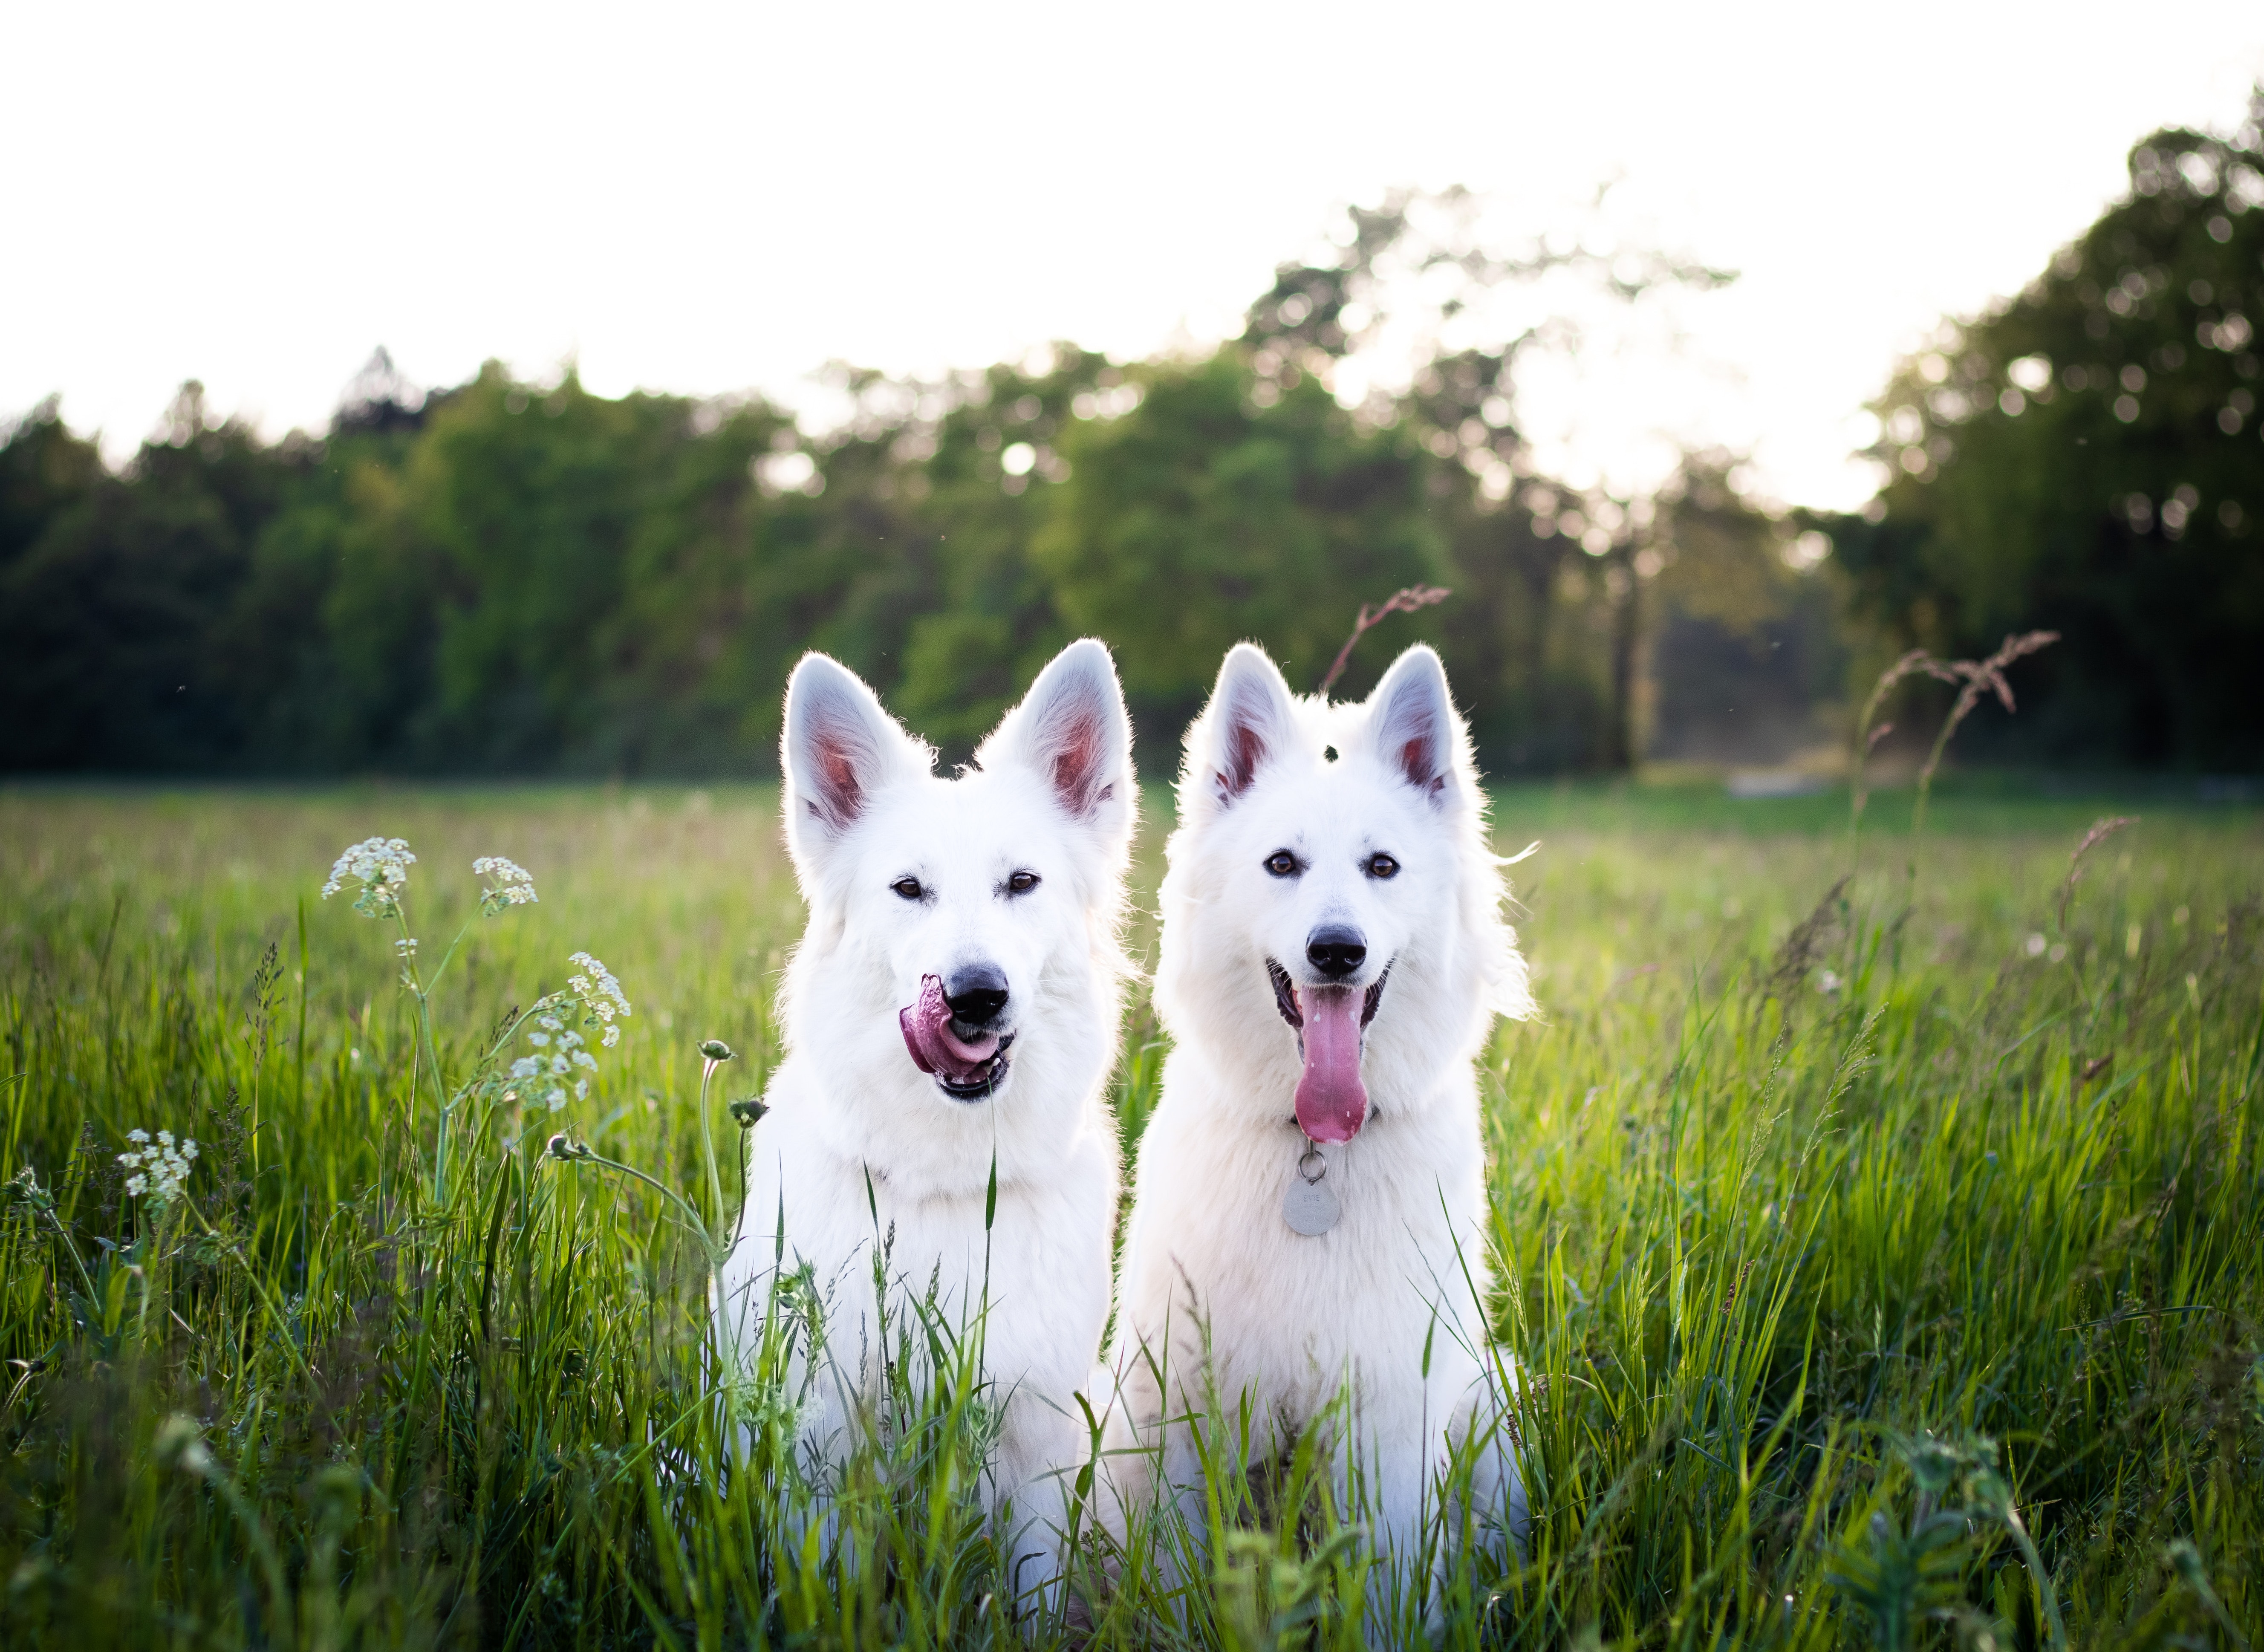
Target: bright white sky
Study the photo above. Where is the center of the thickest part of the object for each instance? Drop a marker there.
(704, 198)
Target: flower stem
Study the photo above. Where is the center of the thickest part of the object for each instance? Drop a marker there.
(688, 1219)
(422, 992)
(708, 1144)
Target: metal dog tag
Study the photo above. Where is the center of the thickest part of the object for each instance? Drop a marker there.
(1310, 1204)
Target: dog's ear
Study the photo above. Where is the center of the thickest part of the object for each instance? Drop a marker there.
(1071, 728)
(840, 751)
(1413, 727)
(1249, 722)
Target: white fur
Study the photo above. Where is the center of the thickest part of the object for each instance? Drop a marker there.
(1292, 1322)
(1051, 792)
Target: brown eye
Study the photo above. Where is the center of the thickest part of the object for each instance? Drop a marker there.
(1382, 866)
(1022, 883)
(1282, 862)
(908, 888)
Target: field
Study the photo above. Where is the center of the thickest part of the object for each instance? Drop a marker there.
(1882, 1257)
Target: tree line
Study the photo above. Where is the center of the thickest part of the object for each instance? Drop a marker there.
(2086, 458)
(513, 576)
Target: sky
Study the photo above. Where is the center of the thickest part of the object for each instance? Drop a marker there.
(708, 198)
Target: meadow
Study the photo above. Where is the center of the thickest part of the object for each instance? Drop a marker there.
(1881, 1255)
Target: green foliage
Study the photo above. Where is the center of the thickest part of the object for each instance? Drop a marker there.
(1797, 1207)
(530, 577)
(526, 576)
(1207, 515)
(119, 597)
(997, 622)
(2084, 460)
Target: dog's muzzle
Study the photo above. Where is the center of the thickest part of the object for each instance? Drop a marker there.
(967, 1060)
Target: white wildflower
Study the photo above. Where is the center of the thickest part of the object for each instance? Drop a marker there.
(554, 1075)
(600, 994)
(512, 885)
(160, 1171)
(2034, 947)
(406, 947)
(381, 866)
(1828, 982)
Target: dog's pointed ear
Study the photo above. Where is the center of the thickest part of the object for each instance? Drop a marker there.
(1072, 729)
(1414, 730)
(840, 751)
(1249, 722)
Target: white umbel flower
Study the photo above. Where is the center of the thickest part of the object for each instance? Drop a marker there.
(558, 1070)
(512, 885)
(547, 1077)
(600, 994)
(381, 866)
(161, 1171)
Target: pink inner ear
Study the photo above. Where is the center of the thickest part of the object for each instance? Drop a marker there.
(1415, 760)
(1245, 749)
(1415, 738)
(1076, 765)
(840, 796)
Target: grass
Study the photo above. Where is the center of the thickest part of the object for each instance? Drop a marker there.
(1884, 1265)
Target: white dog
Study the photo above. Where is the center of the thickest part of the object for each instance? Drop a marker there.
(953, 1009)
(1310, 1204)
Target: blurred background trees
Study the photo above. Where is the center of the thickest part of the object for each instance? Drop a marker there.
(526, 577)
(2086, 458)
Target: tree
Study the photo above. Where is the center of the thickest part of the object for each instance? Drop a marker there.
(1548, 649)
(110, 645)
(1211, 513)
(530, 503)
(2085, 458)
(45, 472)
(996, 468)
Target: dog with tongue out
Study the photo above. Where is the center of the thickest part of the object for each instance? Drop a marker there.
(941, 1116)
(1309, 1229)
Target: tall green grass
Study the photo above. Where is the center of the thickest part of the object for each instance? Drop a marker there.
(1883, 1265)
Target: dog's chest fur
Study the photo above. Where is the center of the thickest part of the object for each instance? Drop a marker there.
(1292, 1315)
(1042, 1262)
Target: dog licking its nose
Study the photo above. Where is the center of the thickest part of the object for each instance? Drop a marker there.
(938, 1034)
(1336, 949)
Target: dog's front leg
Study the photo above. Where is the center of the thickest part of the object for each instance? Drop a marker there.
(1038, 1455)
(1392, 1494)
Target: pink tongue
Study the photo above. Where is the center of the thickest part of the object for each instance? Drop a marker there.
(926, 1027)
(1331, 1102)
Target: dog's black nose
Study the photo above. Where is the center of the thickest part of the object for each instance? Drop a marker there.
(977, 993)
(1337, 950)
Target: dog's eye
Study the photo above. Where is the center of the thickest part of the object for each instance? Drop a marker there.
(1382, 866)
(1022, 883)
(1282, 862)
(908, 888)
